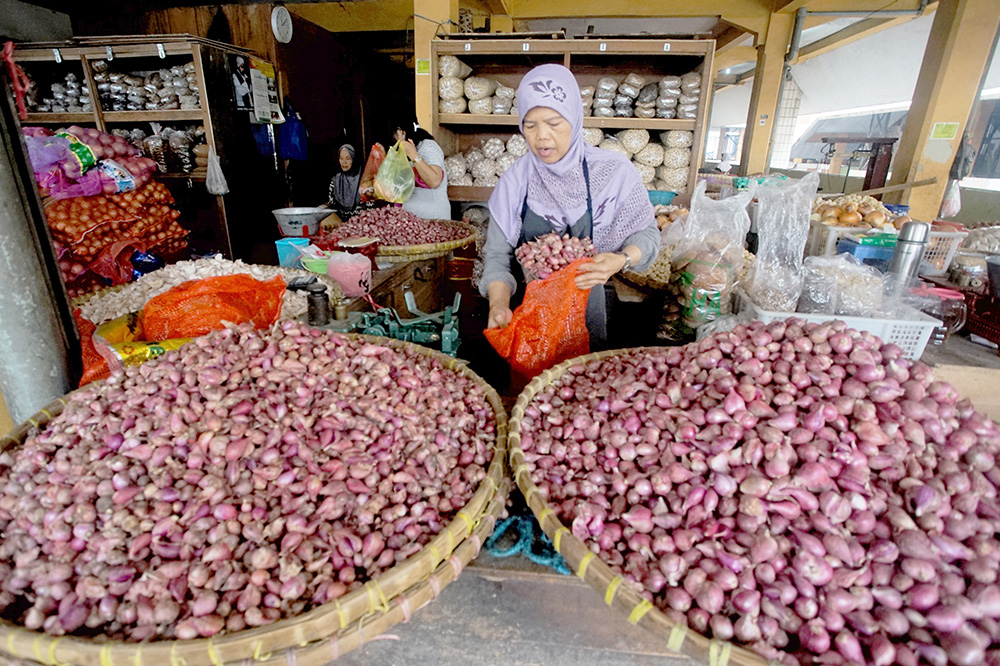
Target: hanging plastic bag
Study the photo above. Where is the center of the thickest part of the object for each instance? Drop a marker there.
(952, 203)
(353, 272)
(394, 181)
(293, 138)
(215, 181)
(367, 187)
(548, 327)
(783, 227)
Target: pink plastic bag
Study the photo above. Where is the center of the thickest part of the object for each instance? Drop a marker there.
(353, 272)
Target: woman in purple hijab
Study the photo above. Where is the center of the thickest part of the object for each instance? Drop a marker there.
(567, 186)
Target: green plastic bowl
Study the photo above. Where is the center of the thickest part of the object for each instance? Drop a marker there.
(661, 197)
(315, 265)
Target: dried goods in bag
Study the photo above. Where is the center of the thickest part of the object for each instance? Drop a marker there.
(395, 181)
(450, 88)
(449, 65)
(479, 88)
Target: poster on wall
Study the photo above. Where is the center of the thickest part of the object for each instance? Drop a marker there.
(240, 67)
(264, 91)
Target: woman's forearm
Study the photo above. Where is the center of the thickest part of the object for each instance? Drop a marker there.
(432, 175)
(498, 293)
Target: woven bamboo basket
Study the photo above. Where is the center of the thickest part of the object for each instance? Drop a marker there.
(428, 250)
(322, 634)
(593, 571)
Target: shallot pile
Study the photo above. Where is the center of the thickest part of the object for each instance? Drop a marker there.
(243, 478)
(801, 489)
(547, 254)
(395, 226)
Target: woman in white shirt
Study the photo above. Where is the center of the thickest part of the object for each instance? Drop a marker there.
(430, 196)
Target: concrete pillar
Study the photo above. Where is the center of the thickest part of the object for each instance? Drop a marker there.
(427, 15)
(34, 346)
(766, 88)
(958, 51)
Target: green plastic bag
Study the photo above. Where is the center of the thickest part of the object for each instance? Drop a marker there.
(394, 181)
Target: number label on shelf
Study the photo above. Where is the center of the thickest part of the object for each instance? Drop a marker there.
(160, 51)
(666, 46)
(604, 47)
(525, 46)
(468, 46)
(109, 53)
(58, 55)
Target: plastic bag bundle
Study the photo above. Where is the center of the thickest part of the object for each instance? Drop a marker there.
(661, 185)
(634, 140)
(690, 81)
(500, 106)
(613, 144)
(487, 181)
(493, 148)
(504, 92)
(648, 94)
(592, 135)
(606, 97)
(687, 111)
(602, 104)
(677, 138)
(677, 157)
(465, 180)
(353, 272)
(644, 113)
(651, 155)
(674, 178)
(666, 102)
(628, 90)
(666, 113)
(450, 87)
(635, 80)
(624, 111)
(452, 105)
(455, 166)
(819, 286)
(670, 83)
(646, 173)
(688, 99)
(622, 100)
(505, 162)
(479, 88)
(517, 146)
(603, 111)
(587, 91)
(608, 85)
(481, 106)
(484, 168)
(473, 155)
(783, 226)
(449, 65)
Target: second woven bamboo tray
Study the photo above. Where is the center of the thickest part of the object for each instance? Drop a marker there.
(592, 570)
(428, 250)
(322, 634)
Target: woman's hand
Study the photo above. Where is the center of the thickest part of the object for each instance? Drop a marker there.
(599, 270)
(500, 316)
(411, 150)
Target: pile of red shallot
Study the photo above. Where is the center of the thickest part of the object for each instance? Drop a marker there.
(547, 254)
(395, 226)
(800, 489)
(244, 478)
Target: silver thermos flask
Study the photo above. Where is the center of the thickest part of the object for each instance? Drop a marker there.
(909, 252)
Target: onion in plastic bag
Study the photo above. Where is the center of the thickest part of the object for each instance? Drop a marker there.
(607, 84)
(635, 80)
(504, 92)
(472, 156)
(592, 135)
(517, 146)
(481, 106)
(505, 162)
(488, 181)
(677, 138)
(450, 87)
(477, 87)
(676, 157)
(455, 166)
(484, 168)
(452, 105)
(449, 65)
(613, 144)
(646, 173)
(465, 180)
(651, 155)
(493, 148)
(690, 81)
(634, 140)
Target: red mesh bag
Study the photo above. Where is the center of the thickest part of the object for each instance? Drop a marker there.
(152, 193)
(94, 365)
(548, 327)
(197, 307)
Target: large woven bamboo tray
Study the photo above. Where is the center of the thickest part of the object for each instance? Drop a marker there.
(324, 633)
(593, 571)
(428, 250)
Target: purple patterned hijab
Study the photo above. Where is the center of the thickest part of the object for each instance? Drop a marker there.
(558, 192)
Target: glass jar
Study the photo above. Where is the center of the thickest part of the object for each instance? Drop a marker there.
(948, 306)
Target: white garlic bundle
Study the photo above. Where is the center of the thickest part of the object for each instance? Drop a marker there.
(455, 166)
(674, 179)
(677, 138)
(477, 87)
(449, 65)
(613, 144)
(481, 106)
(484, 168)
(646, 173)
(493, 148)
(473, 155)
(593, 135)
(517, 146)
(505, 162)
(677, 157)
(465, 180)
(452, 105)
(488, 181)
(450, 87)
(651, 155)
(634, 140)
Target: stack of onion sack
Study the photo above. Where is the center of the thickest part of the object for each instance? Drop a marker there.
(801, 489)
(86, 230)
(244, 478)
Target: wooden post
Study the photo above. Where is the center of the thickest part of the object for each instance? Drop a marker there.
(766, 90)
(958, 51)
(427, 15)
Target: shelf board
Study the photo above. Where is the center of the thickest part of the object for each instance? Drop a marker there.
(153, 116)
(588, 121)
(197, 174)
(59, 118)
(469, 193)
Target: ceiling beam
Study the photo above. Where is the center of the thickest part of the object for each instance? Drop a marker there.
(356, 16)
(792, 6)
(851, 33)
(734, 56)
(726, 36)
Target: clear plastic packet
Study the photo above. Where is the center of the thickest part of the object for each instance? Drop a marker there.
(504, 92)
(628, 90)
(605, 94)
(479, 88)
(783, 227)
(452, 105)
(666, 113)
(666, 103)
(687, 111)
(645, 113)
(500, 105)
(677, 138)
(622, 100)
(481, 106)
(690, 81)
(688, 99)
(600, 103)
(449, 65)
(603, 111)
(635, 80)
(819, 286)
(451, 88)
(648, 93)
(607, 84)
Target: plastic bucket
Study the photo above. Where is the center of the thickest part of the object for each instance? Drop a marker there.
(661, 197)
(288, 256)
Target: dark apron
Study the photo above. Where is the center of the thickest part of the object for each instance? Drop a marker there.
(533, 226)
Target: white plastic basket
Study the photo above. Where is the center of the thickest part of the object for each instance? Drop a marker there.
(823, 239)
(911, 334)
(941, 245)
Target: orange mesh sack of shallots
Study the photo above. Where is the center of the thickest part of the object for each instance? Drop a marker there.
(194, 308)
(548, 327)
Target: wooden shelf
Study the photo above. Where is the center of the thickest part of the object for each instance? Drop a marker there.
(469, 193)
(59, 118)
(197, 174)
(476, 119)
(589, 121)
(153, 116)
